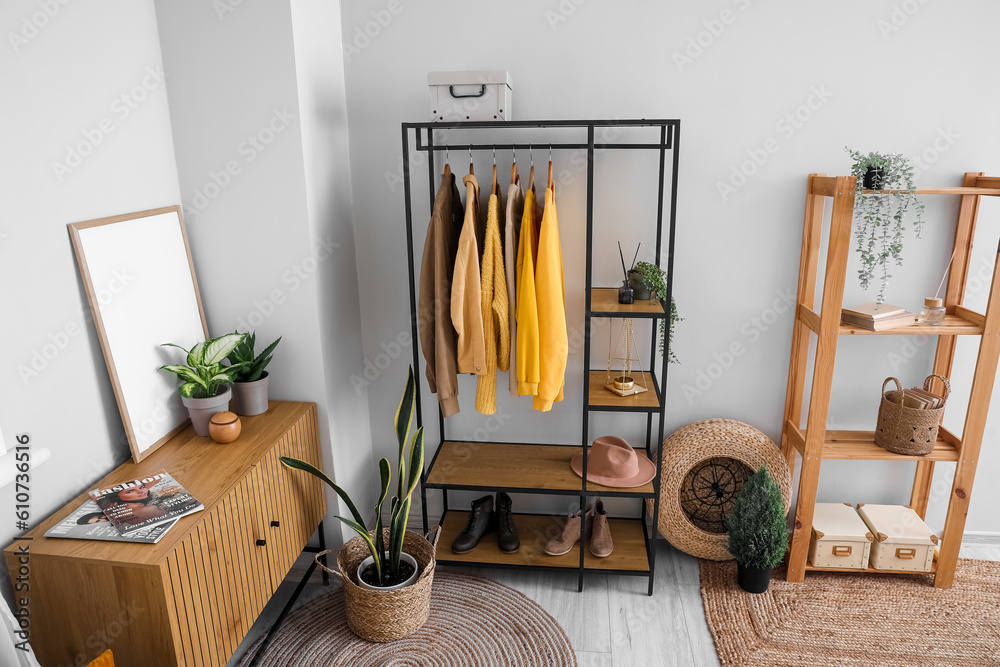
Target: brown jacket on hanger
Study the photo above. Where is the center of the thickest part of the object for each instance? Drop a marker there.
(466, 289)
(438, 338)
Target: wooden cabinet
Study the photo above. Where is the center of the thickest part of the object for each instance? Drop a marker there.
(191, 599)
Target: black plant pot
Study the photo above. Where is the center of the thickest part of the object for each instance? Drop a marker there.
(874, 178)
(753, 579)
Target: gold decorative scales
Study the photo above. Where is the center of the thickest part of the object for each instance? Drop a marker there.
(624, 384)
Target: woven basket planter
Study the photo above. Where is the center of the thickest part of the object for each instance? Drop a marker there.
(384, 616)
(905, 430)
(704, 467)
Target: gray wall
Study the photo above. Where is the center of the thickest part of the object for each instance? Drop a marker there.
(86, 134)
(803, 77)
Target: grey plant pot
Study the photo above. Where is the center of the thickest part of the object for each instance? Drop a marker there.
(202, 409)
(638, 284)
(251, 397)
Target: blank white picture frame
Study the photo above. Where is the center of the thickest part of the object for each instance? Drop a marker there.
(141, 285)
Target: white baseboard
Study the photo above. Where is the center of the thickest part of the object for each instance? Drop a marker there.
(981, 539)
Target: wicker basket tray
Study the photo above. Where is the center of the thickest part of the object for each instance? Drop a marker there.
(905, 430)
(384, 616)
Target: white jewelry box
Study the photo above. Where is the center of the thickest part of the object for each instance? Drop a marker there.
(902, 540)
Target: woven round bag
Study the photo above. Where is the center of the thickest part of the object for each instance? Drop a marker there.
(704, 467)
(383, 616)
(906, 430)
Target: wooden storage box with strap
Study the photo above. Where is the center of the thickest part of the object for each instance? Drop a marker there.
(840, 539)
(903, 541)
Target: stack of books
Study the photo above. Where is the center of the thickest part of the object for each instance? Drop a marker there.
(141, 511)
(871, 317)
(918, 398)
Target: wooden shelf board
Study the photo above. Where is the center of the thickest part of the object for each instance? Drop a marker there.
(490, 465)
(953, 326)
(860, 446)
(604, 303)
(944, 191)
(535, 531)
(601, 398)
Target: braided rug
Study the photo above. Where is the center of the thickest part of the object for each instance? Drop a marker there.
(836, 619)
(474, 622)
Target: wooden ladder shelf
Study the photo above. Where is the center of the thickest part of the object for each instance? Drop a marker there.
(815, 443)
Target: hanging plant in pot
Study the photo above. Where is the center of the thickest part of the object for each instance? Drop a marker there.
(250, 387)
(206, 381)
(388, 570)
(758, 532)
(884, 194)
(648, 280)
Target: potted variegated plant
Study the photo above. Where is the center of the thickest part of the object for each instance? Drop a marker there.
(206, 387)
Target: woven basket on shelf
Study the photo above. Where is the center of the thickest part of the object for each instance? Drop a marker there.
(905, 430)
(383, 616)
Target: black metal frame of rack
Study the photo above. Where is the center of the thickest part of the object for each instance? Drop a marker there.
(669, 140)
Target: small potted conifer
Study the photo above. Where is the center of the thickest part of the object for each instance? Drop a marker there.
(758, 532)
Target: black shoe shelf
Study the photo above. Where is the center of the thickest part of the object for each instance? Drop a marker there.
(544, 468)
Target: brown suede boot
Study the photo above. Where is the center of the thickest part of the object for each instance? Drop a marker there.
(600, 540)
(570, 535)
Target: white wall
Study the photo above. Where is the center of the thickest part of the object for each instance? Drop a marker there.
(876, 78)
(261, 146)
(86, 134)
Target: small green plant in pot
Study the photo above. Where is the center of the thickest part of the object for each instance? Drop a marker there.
(388, 567)
(884, 194)
(758, 532)
(647, 279)
(206, 387)
(250, 387)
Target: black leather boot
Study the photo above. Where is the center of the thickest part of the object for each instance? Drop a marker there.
(481, 521)
(506, 532)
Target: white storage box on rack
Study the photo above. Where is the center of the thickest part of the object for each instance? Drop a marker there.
(461, 96)
(840, 539)
(902, 540)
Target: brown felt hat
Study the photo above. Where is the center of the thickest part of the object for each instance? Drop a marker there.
(612, 462)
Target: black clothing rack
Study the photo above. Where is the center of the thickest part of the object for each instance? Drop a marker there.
(669, 140)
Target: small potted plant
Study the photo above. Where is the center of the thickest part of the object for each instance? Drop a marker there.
(648, 281)
(884, 193)
(250, 387)
(205, 390)
(388, 570)
(758, 532)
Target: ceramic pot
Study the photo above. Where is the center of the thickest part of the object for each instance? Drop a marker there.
(639, 288)
(873, 178)
(202, 409)
(251, 397)
(403, 557)
(753, 579)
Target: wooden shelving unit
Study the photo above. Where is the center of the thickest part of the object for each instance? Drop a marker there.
(815, 443)
(544, 468)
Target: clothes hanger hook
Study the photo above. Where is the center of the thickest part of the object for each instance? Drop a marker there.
(550, 152)
(494, 155)
(531, 156)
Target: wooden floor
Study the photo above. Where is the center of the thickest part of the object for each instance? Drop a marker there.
(613, 622)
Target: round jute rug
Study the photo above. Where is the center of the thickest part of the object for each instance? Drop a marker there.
(474, 622)
(838, 619)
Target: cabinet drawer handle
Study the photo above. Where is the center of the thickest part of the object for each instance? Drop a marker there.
(275, 524)
(261, 543)
(842, 551)
(906, 554)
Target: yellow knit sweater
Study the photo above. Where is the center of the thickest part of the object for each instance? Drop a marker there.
(496, 329)
(550, 285)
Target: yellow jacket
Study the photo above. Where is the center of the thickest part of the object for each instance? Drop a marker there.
(494, 307)
(466, 291)
(526, 348)
(550, 287)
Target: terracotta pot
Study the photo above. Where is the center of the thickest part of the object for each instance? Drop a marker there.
(251, 397)
(402, 557)
(202, 409)
(753, 579)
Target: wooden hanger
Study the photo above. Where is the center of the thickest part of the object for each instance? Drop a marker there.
(550, 185)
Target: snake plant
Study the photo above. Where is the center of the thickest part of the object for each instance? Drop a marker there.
(204, 374)
(411, 464)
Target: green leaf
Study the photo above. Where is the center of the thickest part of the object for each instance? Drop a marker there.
(196, 356)
(297, 464)
(185, 372)
(384, 475)
(217, 348)
(190, 390)
(363, 532)
(416, 461)
(402, 422)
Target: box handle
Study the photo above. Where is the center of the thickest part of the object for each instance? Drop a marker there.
(906, 554)
(842, 551)
(482, 91)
